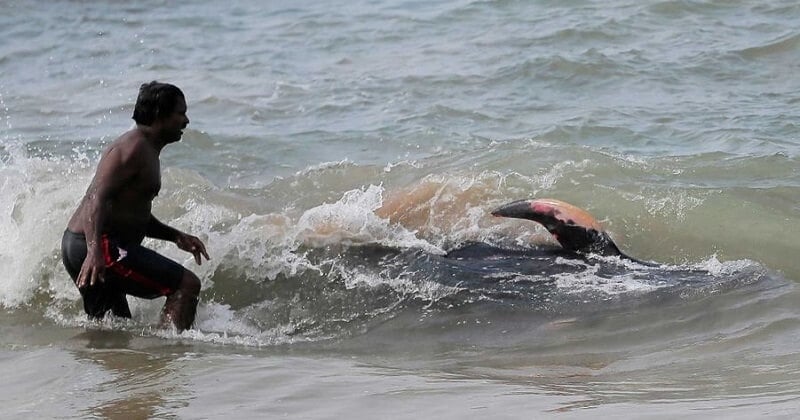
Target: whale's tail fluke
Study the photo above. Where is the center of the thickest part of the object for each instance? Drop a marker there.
(574, 228)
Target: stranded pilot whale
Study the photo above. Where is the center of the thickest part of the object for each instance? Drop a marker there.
(586, 263)
(585, 271)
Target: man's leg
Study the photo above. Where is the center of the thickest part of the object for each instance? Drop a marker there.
(119, 305)
(144, 273)
(181, 306)
(97, 299)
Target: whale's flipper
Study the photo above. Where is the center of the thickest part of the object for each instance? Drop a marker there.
(574, 228)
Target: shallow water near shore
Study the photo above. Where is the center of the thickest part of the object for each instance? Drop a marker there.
(674, 123)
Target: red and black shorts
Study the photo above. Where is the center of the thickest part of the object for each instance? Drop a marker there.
(131, 269)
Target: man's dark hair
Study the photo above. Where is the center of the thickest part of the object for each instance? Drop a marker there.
(155, 100)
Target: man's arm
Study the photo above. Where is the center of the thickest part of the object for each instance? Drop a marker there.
(186, 242)
(113, 172)
(158, 230)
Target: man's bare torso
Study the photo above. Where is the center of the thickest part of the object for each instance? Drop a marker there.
(135, 159)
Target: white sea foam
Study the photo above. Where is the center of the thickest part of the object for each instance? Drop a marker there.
(589, 281)
(37, 197)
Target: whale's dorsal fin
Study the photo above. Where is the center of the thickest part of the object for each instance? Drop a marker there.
(574, 228)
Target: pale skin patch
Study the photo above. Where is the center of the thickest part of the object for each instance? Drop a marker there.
(431, 204)
(566, 213)
(405, 205)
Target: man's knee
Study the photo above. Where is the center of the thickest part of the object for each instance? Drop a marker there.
(190, 284)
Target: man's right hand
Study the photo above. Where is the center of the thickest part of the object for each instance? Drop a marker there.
(92, 270)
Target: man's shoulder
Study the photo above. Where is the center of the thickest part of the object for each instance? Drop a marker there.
(128, 146)
(131, 138)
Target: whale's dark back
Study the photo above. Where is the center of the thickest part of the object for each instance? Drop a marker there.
(548, 278)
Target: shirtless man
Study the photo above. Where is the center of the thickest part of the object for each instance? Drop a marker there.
(101, 247)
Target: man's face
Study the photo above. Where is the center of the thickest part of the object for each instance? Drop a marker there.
(175, 122)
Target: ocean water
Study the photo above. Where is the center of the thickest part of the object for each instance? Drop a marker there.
(674, 122)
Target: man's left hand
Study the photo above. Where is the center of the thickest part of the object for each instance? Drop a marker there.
(193, 245)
